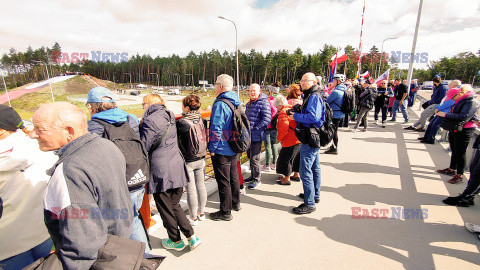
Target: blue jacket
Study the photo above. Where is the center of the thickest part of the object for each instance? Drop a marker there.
(259, 115)
(313, 112)
(439, 93)
(446, 106)
(112, 116)
(335, 100)
(221, 124)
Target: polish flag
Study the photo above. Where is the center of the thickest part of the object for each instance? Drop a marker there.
(341, 56)
(384, 76)
(364, 75)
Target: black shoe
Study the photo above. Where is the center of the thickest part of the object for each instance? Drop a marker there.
(219, 216)
(331, 151)
(236, 207)
(466, 202)
(301, 195)
(248, 180)
(410, 128)
(303, 209)
(427, 141)
(422, 138)
(453, 201)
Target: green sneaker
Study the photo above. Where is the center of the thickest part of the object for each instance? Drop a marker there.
(169, 244)
(194, 242)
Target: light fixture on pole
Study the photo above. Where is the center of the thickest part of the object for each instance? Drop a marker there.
(48, 76)
(236, 50)
(193, 83)
(381, 56)
(158, 81)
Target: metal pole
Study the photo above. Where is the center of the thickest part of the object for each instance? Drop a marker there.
(410, 66)
(381, 56)
(114, 81)
(360, 45)
(10, 105)
(193, 83)
(236, 51)
(130, 79)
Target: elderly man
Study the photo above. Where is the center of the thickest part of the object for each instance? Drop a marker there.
(87, 196)
(224, 160)
(259, 115)
(439, 92)
(312, 115)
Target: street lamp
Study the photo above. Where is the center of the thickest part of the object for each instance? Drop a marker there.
(51, 91)
(130, 80)
(236, 49)
(193, 83)
(8, 97)
(381, 56)
(158, 81)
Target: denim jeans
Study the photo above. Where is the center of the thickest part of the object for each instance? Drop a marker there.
(395, 106)
(433, 128)
(138, 232)
(310, 173)
(28, 257)
(269, 141)
(196, 191)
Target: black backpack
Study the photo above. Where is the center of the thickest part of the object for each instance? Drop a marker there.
(327, 130)
(273, 123)
(348, 102)
(197, 139)
(240, 135)
(123, 136)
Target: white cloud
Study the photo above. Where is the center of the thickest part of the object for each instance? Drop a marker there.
(165, 27)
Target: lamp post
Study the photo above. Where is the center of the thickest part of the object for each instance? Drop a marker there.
(158, 81)
(10, 105)
(193, 83)
(381, 56)
(236, 50)
(48, 76)
(130, 80)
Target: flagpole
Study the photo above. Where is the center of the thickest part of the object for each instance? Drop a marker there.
(360, 45)
(410, 66)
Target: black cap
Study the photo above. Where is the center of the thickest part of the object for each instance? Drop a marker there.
(9, 119)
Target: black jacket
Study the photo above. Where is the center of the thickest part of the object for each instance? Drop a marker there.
(464, 110)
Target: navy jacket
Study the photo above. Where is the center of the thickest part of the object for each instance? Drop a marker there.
(167, 166)
(260, 115)
(313, 112)
(221, 124)
(439, 93)
(463, 110)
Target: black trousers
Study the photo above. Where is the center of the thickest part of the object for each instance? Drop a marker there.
(474, 182)
(226, 174)
(384, 112)
(253, 154)
(168, 205)
(458, 143)
(289, 160)
(336, 122)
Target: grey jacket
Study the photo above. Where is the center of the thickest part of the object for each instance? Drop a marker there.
(167, 166)
(86, 199)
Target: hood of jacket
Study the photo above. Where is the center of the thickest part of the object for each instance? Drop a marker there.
(231, 96)
(112, 116)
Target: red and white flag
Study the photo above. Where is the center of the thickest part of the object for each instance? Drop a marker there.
(341, 56)
(364, 75)
(384, 76)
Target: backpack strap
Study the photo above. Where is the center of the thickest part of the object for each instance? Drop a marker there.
(229, 103)
(159, 141)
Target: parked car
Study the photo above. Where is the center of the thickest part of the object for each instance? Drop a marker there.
(427, 85)
(174, 91)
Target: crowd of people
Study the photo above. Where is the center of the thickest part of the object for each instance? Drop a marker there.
(95, 183)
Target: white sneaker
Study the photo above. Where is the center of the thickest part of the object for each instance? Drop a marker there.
(353, 130)
(473, 228)
(266, 168)
(201, 217)
(273, 167)
(193, 222)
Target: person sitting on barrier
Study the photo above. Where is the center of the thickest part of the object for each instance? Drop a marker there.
(289, 156)
(463, 112)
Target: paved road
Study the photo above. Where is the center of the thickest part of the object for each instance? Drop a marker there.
(383, 168)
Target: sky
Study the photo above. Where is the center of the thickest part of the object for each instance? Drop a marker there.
(166, 27)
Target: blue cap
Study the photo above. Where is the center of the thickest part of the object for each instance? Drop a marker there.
(96, 95)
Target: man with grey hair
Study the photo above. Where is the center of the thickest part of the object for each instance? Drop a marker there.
(259, 115)
(311, 115)
(224, 159)
(87, 196)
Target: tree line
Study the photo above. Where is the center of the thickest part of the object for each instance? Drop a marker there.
(254, 67)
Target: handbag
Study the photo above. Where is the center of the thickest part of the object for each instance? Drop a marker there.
(452, 125)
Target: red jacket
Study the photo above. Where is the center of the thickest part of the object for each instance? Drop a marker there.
(286, 128)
